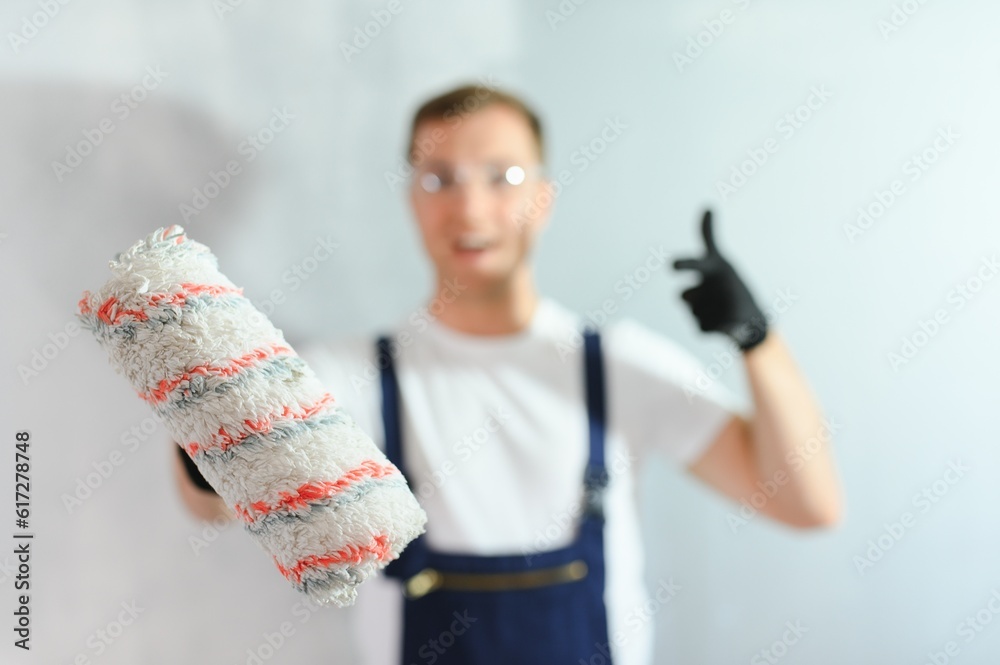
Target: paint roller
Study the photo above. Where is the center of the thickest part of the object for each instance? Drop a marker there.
(312, 489)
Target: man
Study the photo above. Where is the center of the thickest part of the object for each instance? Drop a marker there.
(522, 438)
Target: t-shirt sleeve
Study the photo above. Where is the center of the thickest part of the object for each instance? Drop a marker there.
(346, 368)
(660, 397)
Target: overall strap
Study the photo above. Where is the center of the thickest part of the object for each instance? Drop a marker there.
(413, 558)
(596, 475)
(390, 404)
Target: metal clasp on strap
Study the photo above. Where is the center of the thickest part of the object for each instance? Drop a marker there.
(430, 579)
(422, 583)
(595, 483)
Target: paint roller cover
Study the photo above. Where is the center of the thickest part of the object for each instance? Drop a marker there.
(312, 489)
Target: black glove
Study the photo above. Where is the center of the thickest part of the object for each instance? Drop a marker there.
(722, 302)
(193, 473)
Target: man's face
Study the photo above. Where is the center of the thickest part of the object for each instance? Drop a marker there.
(480, 225)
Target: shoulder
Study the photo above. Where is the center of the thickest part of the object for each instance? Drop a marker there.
(629, 341)
(337, 352)
(624, 340)
(635, 353)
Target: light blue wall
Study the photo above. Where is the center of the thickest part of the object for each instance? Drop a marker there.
(688, 126)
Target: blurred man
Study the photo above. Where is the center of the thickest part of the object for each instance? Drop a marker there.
(521, 429)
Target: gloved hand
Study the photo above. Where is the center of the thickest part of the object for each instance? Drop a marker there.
(722, 302)
(193, 473)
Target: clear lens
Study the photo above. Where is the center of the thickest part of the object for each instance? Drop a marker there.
(499, 178)
(430, 183)
(515, 175)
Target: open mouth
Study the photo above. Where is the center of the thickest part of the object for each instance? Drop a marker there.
(473, 245)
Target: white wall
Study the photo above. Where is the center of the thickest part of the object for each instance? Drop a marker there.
(687, 127)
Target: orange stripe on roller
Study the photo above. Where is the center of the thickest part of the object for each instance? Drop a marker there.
(211, 289)
(224, 440)
(234, 366)
(110, 313)
(378, 548)
(313, 492)
(169, 231)
(84, 304)
(189, 289)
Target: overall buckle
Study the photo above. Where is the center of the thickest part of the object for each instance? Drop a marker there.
(595, 483)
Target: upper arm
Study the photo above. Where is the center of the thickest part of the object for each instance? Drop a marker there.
(729, 467)
(727, 464)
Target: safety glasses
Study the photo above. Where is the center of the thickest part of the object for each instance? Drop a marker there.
(500, 178)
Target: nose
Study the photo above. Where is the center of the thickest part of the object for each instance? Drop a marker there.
(472, 199)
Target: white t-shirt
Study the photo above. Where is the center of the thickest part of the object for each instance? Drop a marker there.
(495, 437)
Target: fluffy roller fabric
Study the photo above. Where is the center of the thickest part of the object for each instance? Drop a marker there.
(311, 487)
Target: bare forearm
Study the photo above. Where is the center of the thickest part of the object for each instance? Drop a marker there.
(790, 437)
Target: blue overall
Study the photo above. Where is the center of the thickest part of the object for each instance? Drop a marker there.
(561, 623)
